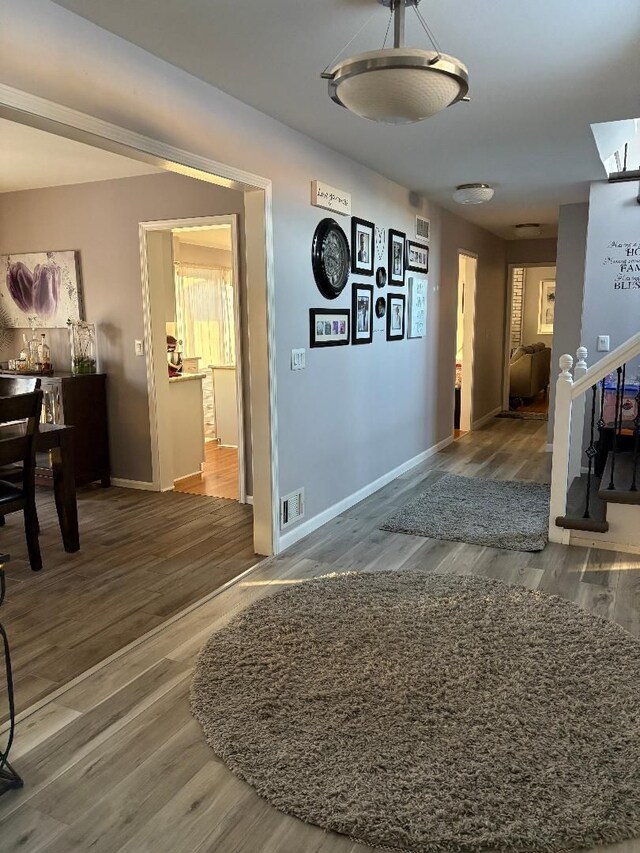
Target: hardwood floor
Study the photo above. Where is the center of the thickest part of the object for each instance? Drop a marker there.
(117, 763)
(144, 557)
(538, 404)
(219, 475)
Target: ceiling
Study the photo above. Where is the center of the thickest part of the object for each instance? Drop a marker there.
(30, 159)
(541, 72)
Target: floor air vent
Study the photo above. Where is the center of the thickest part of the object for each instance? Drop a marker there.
(291, 508)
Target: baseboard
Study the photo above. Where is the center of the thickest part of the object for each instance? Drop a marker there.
(591, 541)
(486, 418)
(249, 499)
(307, 527)
(133, 484)
(196, 474)
(548, 448)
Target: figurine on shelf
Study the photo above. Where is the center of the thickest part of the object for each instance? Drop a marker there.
(174, 356)
(82, 337)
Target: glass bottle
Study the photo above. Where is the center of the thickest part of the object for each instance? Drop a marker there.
(44, 353)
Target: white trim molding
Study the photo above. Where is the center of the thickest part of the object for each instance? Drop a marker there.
(486, 418)
(144, 485)
(291, 537)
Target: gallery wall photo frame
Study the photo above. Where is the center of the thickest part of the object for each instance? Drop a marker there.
(397, 241)
(423, 228)
(417, 257)
(546, 307)
(362, 246)
(362, 314)
(395, 316)
(417, 306)
(329, 327)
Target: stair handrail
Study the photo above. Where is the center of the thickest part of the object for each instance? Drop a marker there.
(568, 421)
(626, 351)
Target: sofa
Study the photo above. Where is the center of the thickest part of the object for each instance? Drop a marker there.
(529, 371)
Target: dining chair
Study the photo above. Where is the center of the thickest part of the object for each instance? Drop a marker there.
(11, 385)
(18, 444)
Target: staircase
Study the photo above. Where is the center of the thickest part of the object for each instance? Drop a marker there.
(595, 479)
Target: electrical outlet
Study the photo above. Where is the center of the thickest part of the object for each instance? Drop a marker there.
(298, 359)
(138, 347)
(603, 343)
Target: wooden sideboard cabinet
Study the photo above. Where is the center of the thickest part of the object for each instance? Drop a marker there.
(79, 401)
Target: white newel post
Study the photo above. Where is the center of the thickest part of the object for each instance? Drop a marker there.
(561, 442)
(577, 418)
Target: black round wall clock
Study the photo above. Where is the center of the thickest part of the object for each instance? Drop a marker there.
(331, 258)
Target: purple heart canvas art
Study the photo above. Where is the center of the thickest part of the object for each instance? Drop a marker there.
(44, 285)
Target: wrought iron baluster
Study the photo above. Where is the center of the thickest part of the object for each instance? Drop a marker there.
(8, 776)
(590, 451)
(617, 419)
(636, 445)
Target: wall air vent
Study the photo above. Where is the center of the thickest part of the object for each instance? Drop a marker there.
(423, 228)
(291, 508)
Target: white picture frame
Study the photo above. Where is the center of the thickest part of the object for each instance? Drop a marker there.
(546, 307)
(417, 313)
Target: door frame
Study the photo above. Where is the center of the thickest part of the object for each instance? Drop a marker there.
(507, 325)
(468, 343)
(155, 347)
(25, 108)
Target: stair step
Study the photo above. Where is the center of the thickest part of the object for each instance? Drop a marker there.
(576, 496)
(623, 477)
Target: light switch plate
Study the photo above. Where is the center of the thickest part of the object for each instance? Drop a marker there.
(603, 343)
(298, 359)
(138, 347)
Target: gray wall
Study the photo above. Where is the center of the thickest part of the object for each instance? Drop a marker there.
(355, 413)
(532, 278)
(612, 276)
(542, 251)
(570, 269)
(101, 221)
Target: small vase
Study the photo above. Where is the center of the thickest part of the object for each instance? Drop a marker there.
(82, 337)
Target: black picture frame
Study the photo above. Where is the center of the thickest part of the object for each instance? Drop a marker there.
(381, 276)
(317, 315)
(361, 263)
(359, 292)
(328, 231)
(411, 264)
(392, 299)
(396, 275)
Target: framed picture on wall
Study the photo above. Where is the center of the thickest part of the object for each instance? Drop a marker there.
(395, 317)
(417, 312)
(417, 257)
(44, 286)
(362, 314)
(396, 257)
(546, 310)
(362, 246)
(329, 327)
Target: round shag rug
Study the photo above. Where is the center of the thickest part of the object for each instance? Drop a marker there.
(430, 713)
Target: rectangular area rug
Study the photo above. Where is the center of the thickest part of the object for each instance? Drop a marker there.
(497, 513)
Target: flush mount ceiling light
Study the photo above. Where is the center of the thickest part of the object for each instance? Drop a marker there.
(398, 85)
(528, 229)
(473, 193)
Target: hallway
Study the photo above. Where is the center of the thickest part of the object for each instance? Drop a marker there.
(124, 734)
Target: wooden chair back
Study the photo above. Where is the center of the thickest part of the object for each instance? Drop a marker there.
(19, 420)
(12, 385)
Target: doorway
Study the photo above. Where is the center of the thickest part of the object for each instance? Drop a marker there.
(194, 286)
(529, 340)
(207, 342)
(465, 332)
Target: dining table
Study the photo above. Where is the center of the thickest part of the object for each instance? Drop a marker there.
(56, 440)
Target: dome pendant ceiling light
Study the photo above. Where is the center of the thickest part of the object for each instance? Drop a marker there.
(473, 193)
(398, 85)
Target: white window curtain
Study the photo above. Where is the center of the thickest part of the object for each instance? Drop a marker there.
(204, 314)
